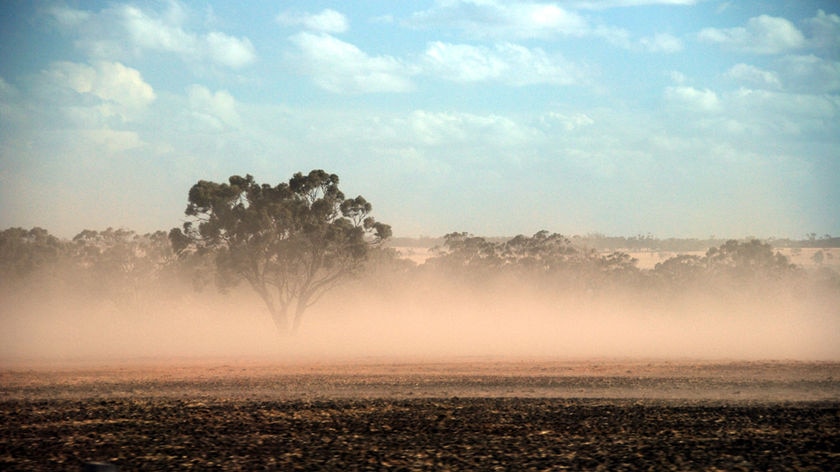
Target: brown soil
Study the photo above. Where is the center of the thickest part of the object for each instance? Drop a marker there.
(474, 414)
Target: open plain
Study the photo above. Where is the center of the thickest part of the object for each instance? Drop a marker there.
(461, 414)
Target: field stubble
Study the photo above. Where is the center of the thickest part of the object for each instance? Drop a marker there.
(471, 414)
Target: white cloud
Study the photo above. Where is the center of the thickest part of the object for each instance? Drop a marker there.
(68, 16)
(229, 51)
(496, 19)
(825, 31)
(565, 121)
(452, 129)
(506, 62)
(327, 21)
(127, 31)
(677, 77)
(341, 67)
(112, 142)
(216, 109)
(810, 74)
(693, 99)
(777, 105)
(148, 32)
(156, 33)
(464, 63)
(777, 113)
(752, 75)
(605, 4)
(762, 35)
(121, 90)
(527, 20)
(754, 112)
(662, 42)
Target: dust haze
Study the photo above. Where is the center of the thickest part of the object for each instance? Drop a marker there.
(398, 317)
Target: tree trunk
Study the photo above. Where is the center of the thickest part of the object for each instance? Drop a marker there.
(300, 307)
(280, 317)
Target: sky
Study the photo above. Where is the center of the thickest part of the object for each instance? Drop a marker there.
(678, 118)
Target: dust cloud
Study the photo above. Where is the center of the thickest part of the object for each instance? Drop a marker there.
(433, 319)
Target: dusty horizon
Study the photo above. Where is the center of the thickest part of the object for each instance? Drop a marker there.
(438, 321)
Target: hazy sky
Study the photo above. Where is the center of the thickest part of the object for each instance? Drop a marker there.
(675, 117)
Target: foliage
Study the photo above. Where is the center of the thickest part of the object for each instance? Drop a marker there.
(23, 252)
(734, 263)
(547, 259)
(120, 262)
(291, 242)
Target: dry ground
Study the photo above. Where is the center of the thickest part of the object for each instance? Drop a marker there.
(468, 414)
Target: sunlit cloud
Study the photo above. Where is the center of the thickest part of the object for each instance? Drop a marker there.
(606, 4)
(327, 21)
(752, 75)
(505, 62)
(122, 31)
(217, 109)
(662, 42)
(810, 74)
(825, 31)
(341, 67)
(118, 90)
(762, 35)
(492, 19)
(693, 99)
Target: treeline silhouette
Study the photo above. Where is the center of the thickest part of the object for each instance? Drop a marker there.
(645, 242)
(127, 269)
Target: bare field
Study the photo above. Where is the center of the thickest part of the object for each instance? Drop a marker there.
(465, 377)
(459, 414)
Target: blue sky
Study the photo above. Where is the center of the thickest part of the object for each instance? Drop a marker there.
(678, 118)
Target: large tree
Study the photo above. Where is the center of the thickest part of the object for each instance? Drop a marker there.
(291, 242)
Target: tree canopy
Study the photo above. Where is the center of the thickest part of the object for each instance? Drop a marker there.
(291, 242)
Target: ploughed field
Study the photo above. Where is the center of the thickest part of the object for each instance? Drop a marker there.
(469, 414)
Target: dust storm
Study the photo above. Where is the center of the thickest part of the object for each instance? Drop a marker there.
(400, 310)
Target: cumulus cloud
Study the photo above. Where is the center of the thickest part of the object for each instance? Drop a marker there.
(774, 105)
(810, 74)
(216, 109)
(528, 20)
(341, 67)
(450, 128)
(67, 16)
(227, 50)
(662, 42)
(327, 21)
(777, 113)
(825, 31)
(126, 30)
(766, 112)
(754, 76)
(565, 121)
(120, 90)
(606, 4)
(505, 62)
(113, 142)
(496, 19)
(762, 35)
(693, 99)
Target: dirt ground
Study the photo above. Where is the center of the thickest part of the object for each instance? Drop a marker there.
(462, 414)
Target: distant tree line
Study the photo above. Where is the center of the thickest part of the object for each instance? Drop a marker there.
(124, 267)
(294, 242)
(556, 262)
(646, 242)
